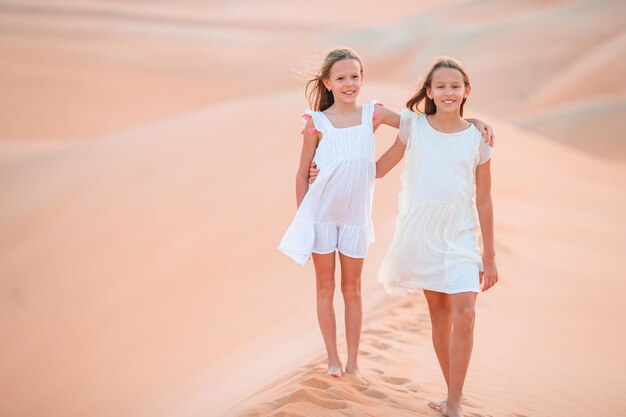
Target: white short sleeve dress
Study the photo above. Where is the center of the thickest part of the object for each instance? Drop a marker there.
(435, 244)
(336, 212)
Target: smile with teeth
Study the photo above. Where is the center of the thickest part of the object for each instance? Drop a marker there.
(349, 93)
(449, 101)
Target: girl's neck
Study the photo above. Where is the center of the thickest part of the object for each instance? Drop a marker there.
(343, 108)
(447, 122)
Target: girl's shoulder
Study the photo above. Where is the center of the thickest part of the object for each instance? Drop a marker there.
(408, 117)
(308, 121)
(314, 121)
(408, 127)
(410, 114)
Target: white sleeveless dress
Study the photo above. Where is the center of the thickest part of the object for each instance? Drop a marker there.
(435, 244)
(336, 212)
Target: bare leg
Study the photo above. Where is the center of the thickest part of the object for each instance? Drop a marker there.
(325, 285)
(441, 321)
(351, 290)
(461, 344)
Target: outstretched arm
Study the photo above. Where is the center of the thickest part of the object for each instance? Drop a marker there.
(387, 117)
(484, 205)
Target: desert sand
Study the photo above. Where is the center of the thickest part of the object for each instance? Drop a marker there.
(147, 156)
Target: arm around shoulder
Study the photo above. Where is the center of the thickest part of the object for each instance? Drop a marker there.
(387, 117)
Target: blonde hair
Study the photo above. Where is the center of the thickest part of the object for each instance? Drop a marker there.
(429, 105)
(319, 97)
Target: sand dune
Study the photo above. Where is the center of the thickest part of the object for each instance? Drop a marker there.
(592, 126)
(138, 62)
(171, 333)
(580, 106)
(100, 67)
(386, 349)
(114, 204)
(594, 76)
(141, 251)
(147, 180)
(88, 85)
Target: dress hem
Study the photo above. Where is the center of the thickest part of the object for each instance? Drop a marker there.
(342, 252)
(299, 258)
(401, 291)
(303, 258)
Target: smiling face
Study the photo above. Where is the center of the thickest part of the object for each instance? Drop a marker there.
(448, 90)
(345, 80)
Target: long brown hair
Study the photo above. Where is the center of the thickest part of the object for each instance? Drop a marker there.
(429, 105)
(319, 97)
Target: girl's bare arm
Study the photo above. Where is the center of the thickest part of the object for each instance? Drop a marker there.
(484, 205)
(390, 158)
(386, 117)
(309, 145)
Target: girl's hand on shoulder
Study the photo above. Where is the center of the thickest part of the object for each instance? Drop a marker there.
(489, 276)
(485, 130)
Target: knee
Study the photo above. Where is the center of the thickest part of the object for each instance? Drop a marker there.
(351, 288)
(463, 319)
(326, 287)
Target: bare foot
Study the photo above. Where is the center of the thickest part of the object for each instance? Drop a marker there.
(451, 411)
(334, 370)
(355, 373)
(437, 405)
